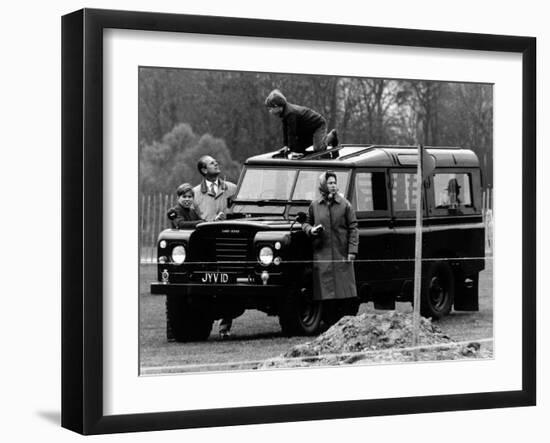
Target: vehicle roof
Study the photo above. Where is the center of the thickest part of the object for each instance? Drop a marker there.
(373, 156)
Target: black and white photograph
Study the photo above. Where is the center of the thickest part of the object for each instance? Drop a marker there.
(295, 221)
(275, 221)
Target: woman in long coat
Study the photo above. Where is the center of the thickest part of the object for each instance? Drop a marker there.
(332, 225)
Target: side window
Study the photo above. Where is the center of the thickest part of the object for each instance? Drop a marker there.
(370, 191)
(404, 191)
(452, 190)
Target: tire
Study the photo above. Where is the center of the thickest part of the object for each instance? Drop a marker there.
(334, 310)
(186, 321)
(438, 290)
(300, 314)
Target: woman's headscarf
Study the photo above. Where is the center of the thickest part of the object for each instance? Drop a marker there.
(323, 188)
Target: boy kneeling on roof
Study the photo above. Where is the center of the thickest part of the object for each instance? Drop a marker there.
(302, 127)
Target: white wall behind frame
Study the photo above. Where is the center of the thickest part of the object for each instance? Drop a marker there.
(30, 111)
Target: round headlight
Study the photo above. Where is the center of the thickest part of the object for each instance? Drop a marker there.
(162, 244)
(266, 255)
(178, 255)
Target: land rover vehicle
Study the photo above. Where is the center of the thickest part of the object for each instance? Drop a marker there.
(259, 258)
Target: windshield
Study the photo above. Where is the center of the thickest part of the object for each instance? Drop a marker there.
(307, 186)
(266, 184)
(262, 185)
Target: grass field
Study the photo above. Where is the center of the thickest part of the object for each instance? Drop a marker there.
(256, 336)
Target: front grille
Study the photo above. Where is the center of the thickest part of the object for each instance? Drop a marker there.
(223, 248)
(233, 253)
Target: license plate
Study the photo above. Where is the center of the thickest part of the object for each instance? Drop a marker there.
(214, 278)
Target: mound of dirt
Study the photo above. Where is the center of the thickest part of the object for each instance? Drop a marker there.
(376, 338)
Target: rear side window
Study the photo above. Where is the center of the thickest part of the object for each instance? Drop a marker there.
(403, 191)
(370, 191)
(452, 191)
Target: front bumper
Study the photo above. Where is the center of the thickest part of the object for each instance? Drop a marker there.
(231, 289)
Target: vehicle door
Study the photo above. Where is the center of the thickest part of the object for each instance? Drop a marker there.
(403, 210)
(370, 199)
(455, 224)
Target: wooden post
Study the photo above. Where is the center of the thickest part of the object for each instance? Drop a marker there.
(147, 225)
(153, 204)
(166, 207)
(155, 225)
(159, 213)
(162, 212)
(417, 254)
(164, 218)
(141, 225)
(157, 217)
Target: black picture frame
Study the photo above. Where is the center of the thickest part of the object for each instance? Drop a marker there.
(82, 230)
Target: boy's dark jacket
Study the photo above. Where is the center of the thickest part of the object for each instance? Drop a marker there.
(180, 216)
(299, 124)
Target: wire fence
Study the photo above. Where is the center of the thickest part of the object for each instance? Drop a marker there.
(153, 220)
(345, 357)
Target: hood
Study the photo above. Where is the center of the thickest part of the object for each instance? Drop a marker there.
(247, 224)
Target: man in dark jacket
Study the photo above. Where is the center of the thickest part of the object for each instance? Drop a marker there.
(302, 127)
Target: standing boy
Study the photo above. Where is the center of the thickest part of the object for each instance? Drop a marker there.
(183, 212)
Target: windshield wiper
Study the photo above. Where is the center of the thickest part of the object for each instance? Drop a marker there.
(301, 202)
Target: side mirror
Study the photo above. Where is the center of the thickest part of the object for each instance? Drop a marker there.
(301, 217)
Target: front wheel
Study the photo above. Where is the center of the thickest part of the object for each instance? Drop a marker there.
(300, 314)
(438, 289)
(187, 321)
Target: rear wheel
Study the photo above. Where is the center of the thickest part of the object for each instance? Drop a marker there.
(438, 290)
(300, 314)
(187, 321)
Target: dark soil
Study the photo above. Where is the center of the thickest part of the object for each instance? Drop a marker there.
(379, 338)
